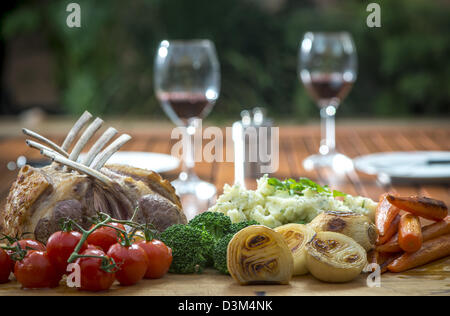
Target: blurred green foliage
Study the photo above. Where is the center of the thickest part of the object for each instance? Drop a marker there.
(106, 65)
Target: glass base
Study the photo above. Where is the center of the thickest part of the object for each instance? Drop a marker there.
(195, 194)
(335, 161)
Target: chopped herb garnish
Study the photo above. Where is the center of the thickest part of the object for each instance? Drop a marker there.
(297, 187)
(338, 193)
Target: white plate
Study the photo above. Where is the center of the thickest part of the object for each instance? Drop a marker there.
(151, 161)
(407, 165)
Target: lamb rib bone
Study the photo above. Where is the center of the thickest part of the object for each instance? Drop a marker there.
(101, 159)
(84, 139)
(77, 166)
(82, 121)
(38, 146)
(98, 146)
(69, 163)
(46, 141)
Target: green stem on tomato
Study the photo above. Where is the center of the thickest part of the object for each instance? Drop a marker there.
(122, 235)
(65, 224)
(149, 234)
(106, 219)
(108, 264)
(85, 235)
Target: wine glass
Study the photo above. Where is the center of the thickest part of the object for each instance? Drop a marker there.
(328, 68)
(187, 84)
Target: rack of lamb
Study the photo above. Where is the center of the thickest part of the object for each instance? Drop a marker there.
(80, 188)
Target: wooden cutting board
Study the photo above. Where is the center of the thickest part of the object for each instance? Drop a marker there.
(432, 279)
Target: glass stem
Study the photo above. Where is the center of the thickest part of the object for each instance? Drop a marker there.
(188, 152)
(328, 142)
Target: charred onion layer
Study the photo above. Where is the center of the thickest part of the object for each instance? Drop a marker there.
(258, 255)
(297, 236)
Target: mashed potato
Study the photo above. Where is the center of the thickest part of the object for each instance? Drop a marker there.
(273, 208)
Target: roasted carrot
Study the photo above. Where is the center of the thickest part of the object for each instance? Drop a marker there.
(431, 250)
(410, 233)
(391, 246)
(391, 231)
(384, 215)
(428, 232)
(421, 206)
(436, 229)
(382, 259)
(385, 259)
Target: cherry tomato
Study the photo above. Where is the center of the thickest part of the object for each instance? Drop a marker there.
(5, 266)
(93, 277)
(30, 243)
(60, 246)
(105, 237)
(26, 244)
(159, 258)
(94, 247)
(36, 271)
(132, 261)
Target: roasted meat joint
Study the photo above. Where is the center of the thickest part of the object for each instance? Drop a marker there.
(80, 187)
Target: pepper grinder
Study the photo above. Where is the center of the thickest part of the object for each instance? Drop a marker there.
(247, 138)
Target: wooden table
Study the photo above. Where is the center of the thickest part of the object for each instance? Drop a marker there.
(432, 280)
(296, 143)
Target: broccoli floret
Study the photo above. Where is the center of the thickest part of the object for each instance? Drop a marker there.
(202, 243)
(191, 248)
(215, 223)
(220, 254)
(241, 225)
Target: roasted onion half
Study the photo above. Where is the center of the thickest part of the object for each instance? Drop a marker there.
(259, 255)
(353, 225)
(297, 236)
(334, 257)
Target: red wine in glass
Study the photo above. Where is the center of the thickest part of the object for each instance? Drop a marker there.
(185, 105)
(326, 87)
